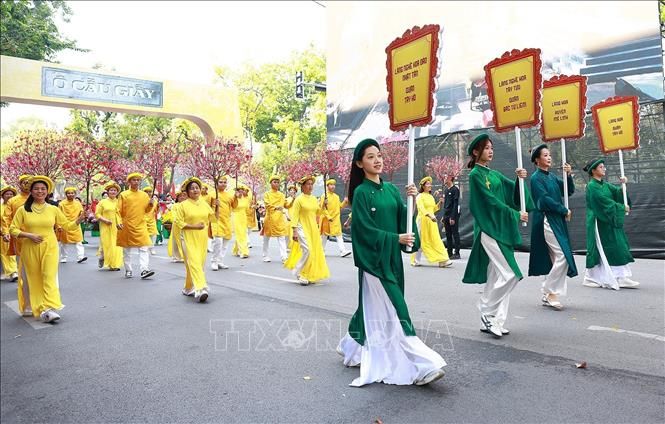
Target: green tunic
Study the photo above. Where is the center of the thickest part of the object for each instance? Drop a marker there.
(379, 217)
(494, 202)
(547, 190)
(604, 203)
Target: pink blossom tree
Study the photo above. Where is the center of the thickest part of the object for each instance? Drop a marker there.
(85, 162)
(155, 156)
(213, 159)
(395, 155)
(40, 152)
(442, 167)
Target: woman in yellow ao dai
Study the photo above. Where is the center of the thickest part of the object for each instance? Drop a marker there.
(110, 254)
(34, 223)
(430, 238)
(307, 259)
(239, 218)
(192, 218)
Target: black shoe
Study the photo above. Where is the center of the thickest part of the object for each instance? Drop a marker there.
(147, 274)
(83, 259)
(456, 256)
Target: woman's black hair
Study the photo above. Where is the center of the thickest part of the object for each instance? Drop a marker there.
(480, 147)
(357, 174)
(28, 202)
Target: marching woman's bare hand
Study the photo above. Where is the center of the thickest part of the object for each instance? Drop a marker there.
(407, 239)
(411, 190)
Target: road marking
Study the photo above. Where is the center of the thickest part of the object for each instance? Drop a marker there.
(272, 277)
(634, 333)
(37, 325)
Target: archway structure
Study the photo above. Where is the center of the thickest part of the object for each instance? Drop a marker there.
(214, 109)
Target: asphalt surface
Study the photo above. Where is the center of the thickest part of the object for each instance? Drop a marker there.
(262, 350)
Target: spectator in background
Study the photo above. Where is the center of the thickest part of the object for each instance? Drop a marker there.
(451, 217)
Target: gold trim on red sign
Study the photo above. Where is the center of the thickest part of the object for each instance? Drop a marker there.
(558, 80)
(613, 101)
(411, 35)
(508, 57)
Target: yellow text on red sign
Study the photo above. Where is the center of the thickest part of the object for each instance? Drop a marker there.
(616, 124)
(562, 111)
(514, 92)
(411, 74)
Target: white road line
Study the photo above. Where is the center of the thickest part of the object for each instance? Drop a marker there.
(37, 325)
(634, 333)
(272, 277)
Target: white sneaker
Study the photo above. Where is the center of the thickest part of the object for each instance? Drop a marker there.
(302, 281)
(589, 283)
(223, 266)
(63, 261)
(201, 295)
(189, 292)
(27, 312)
(49, 315)
(153, 252)
(14, 277)
(214, 267)
(627, 283)
(174, 260)
(445, 264)
(430, 377)
(266, 259)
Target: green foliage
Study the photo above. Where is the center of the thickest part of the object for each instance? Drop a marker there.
(269, 111)
(28, 30)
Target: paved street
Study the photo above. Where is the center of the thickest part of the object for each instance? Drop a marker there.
(262, 350)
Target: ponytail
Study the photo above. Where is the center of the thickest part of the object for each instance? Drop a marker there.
(28, 203)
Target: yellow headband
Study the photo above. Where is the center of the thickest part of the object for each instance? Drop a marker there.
(8, 188)
(44, 179)
(70, 189)
(331, 181)
(24, 177)
(183, 186)
(426, 179)
(135, 175)
(112, 184)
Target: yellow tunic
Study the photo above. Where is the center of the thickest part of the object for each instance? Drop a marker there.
(194, 242)
(108, 208)
(151, 220)
(40, 261)
(251, 212)
(303, 215)
(174, 238)
(10, 209)
(240, 247)
(71, 209)
(331, 225)
(274, 224)
(430, 238)
(8, 261)
(133, 205)
(287, 205)
(221, 227)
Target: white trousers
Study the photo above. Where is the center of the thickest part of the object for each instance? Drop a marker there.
(220, 245)
(605, 274)
(281, 241)
(304, 246)
(501, 280)
(65, 249)
(388, 355)
(555, 281)
(144, 257)
(340, 243)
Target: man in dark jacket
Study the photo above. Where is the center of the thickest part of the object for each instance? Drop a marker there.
(451, 217)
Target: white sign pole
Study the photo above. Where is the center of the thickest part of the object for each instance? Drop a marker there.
(565, 175)
(623, 175)
(409, 199)
(518, 147)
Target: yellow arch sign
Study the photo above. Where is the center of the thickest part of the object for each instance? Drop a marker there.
(214, 109)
